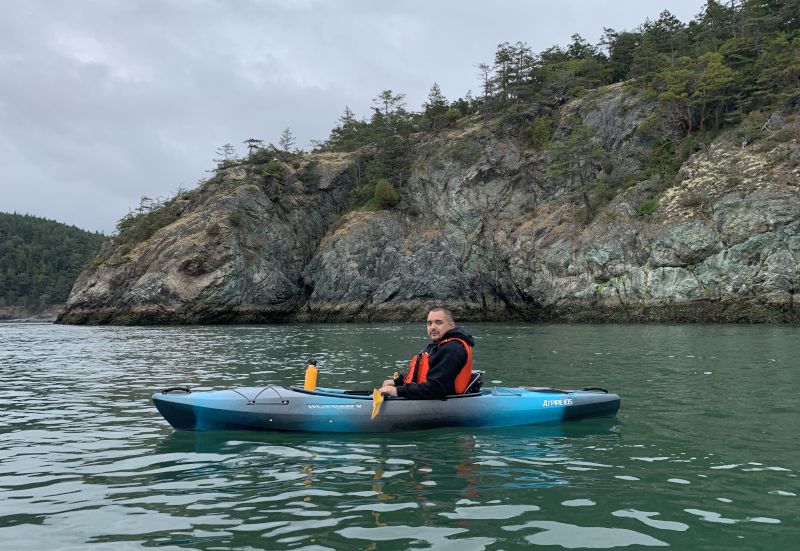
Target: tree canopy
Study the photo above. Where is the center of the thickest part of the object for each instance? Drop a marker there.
(732, 59)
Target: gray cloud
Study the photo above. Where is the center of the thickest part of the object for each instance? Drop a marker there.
(104, 101)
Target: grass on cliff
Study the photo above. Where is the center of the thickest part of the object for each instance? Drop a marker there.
(647, 207)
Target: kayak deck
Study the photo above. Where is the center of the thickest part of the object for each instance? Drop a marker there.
(278, 408)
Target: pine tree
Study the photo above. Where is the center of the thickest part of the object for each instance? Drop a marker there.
(436, 107)
(226, 156)
(579, 158)
(485, 73)
(253, 144)
(389, 112)
(286, 141)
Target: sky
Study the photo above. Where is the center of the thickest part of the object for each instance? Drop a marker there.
(103, 102)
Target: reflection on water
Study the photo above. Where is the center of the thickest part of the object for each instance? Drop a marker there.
(703, 455)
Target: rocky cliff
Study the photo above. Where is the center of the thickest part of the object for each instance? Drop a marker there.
(581, 229)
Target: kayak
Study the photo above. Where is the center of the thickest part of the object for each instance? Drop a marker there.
(279, 408)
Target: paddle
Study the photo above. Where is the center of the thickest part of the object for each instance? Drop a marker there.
(377, 400)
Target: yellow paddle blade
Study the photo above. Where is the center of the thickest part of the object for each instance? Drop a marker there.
(377, 400)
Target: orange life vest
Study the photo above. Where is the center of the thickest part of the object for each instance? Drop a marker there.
(418, 368)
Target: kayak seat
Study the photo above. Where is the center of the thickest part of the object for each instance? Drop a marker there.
(475, 383)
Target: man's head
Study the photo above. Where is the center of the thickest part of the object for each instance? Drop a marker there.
(440, 321)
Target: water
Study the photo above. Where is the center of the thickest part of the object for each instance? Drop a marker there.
(703, 455)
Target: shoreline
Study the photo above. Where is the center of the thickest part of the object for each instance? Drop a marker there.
(714, 312)
(18, 314)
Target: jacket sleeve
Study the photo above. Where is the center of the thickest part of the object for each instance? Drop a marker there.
(445, 364)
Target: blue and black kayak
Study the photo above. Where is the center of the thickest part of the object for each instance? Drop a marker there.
(279, 408)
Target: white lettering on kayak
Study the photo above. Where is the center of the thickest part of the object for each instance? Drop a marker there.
(563, 402)
(333, 406)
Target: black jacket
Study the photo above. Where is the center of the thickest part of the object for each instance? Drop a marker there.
(445, 362)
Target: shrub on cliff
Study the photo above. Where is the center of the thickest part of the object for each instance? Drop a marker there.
(385, 195)
(539, 132)
(274, 169)
(451, 116)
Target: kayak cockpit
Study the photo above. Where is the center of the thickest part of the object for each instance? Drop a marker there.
(366, 394)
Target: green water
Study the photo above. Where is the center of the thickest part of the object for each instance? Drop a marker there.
(703, 455)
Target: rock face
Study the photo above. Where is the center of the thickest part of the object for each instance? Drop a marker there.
(235, 253)
(492, 228)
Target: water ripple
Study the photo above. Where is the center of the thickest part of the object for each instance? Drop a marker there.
(584, 537)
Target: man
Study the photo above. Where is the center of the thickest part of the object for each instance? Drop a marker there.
(443, 368)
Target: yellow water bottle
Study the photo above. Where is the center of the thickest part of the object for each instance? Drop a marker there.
(311, 376)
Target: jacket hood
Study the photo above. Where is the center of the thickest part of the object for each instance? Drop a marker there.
(459, 333)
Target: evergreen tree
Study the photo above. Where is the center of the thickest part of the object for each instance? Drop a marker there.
(389, 113)
(487, 86)
(286, 140)
(717, 23)
(253, 145)
(778, 70)
(467, 105)
(435, 107)
(713, 80)
(387, 103)
(621, 52)
(349, 134)
(521, 75)
(226, 156)
(579, 157)
(503, 61)
(437, 103)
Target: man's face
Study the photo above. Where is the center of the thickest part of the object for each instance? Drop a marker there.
(438, 325)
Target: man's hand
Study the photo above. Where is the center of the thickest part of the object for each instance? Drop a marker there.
(388, 382)
(389, 390)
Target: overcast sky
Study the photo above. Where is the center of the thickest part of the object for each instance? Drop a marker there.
(105, 101)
